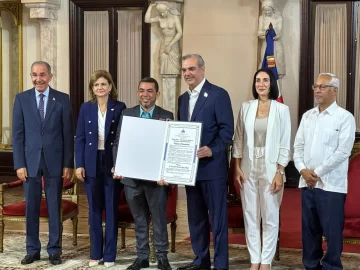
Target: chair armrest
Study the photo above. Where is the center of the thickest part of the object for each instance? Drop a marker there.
(171, 186)
(16, 183)
(69, 185)
(233, 200)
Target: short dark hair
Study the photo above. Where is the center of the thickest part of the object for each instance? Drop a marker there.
(274, 89)
(150, 80)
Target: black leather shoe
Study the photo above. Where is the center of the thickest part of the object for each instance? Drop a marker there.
(192, 266)
(138, 264)
(163, 264)
(55, 259)
(30, 258)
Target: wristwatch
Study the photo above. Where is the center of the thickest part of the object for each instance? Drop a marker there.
(281, 172)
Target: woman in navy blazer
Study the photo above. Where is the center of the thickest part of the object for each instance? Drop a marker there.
(95, 134)
(261, 151)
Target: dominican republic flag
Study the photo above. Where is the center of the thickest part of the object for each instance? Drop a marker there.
(269, 60)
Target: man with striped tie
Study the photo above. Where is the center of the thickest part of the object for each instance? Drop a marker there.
(43, 147)
(147, 198)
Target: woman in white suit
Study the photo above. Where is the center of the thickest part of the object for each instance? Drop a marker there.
(262, 151)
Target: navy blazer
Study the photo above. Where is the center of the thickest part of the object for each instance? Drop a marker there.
(55, 137)
(213, 109)
(86, 142)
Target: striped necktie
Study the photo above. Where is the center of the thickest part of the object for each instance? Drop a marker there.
(41, 107)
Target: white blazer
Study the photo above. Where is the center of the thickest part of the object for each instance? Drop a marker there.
(278, 134)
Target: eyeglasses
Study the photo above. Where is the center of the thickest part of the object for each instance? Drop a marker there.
(321, 86)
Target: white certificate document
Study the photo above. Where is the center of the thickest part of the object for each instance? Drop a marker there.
(151, 150)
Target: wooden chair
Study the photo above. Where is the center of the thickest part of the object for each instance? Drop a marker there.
(16, 211)
(351, 231)
(235, 212)
(126, 220)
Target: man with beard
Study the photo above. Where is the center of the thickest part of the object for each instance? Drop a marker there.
(147, 198)
(43, 148)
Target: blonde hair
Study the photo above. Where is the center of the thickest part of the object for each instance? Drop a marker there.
(107, 76)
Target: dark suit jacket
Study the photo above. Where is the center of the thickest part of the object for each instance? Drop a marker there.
(213, 110)
(55, 137)
(86, 143)
(135, 111)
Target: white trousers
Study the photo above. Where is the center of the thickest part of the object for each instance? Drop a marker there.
(260, 206)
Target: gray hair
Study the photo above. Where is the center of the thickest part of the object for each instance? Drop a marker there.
(201, 61)
(42, 63)
(334, 81)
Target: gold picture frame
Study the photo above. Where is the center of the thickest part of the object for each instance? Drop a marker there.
(15, 9)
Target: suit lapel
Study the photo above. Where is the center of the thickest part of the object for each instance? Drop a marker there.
(203, 96)
(110, 111)
(94, 116)
(250, 121)
(156, 113)
(184, 109)
(50, 105)
(136, 111)
(34, 106)
(271, 119)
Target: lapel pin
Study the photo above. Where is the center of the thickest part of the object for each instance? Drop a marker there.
(53, 98)
(112, 109)
(205, 94)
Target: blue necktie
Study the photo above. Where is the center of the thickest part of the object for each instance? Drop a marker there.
(145, 115)
(41, 107)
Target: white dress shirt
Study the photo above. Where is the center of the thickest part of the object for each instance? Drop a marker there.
(194, 94)
(323, 143)
(101, 130)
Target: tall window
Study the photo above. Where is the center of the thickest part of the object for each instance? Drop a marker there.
(330, 42)
(108, 35)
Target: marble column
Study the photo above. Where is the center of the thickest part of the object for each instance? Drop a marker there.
(46, 13)
(170, 92)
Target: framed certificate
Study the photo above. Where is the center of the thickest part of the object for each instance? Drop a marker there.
(153, 149)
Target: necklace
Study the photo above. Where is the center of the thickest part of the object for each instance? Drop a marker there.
(261, 110)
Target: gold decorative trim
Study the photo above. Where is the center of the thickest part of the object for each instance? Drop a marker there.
(356, 150)
(353, 241)
(14, 9)
(2, 147)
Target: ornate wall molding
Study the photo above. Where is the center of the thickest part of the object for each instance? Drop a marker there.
(14, 9)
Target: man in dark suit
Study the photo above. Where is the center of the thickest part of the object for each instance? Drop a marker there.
(147, 198)
(43, 147)
(210, 105)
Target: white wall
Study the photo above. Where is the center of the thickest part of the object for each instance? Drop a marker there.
(291, 11)
(224, 33)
